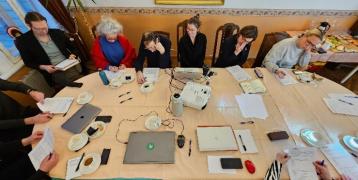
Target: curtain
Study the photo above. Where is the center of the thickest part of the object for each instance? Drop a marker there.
(58, 10)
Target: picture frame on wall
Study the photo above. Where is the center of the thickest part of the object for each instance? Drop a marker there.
(190, 2)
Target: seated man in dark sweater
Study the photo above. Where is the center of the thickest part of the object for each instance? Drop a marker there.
(156, 49)
(236, 48)
(16, 121)
(15, 163)
(42, 49)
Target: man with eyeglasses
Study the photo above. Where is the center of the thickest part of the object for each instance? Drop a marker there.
(42, 48)
(292, 51)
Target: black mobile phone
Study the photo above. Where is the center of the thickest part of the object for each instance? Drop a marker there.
(231, 163)
(106, 119)
(278, 135)
(105, 156)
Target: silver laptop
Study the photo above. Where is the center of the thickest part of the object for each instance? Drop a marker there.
(81, 118)
(150, 148)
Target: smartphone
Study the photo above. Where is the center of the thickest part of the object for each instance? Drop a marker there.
(231, 163)
(105, 156)
(106, 119)
(277, 135)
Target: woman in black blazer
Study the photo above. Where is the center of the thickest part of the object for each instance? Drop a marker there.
(192, 46)
(236, 48)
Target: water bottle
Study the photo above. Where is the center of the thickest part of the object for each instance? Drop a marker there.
(177, 105)
(103, 77)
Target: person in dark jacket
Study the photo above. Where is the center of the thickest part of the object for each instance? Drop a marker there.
(192, 46)
(236, 48)
(42, 48)
(16, 164)
(156, 48)
(16, 121)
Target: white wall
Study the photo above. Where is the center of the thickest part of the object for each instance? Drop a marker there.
(241, 4)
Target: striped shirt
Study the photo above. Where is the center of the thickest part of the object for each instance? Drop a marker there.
(273, 173)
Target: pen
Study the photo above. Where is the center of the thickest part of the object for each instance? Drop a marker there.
(78, 165)
(189, 148)
(346, 102)
(242, 142)
(322, 162)
(351, 96)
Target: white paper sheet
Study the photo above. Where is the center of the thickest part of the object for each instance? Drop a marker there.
(341, 160)
(113, 75)
(340, 106)
(42, 149)
(56, 105)
(71, 168)
(300, 164)
(252, 106)
(247, 139)
(151, 74)
(214, 165)
(66, 64)
(238, 73)
(351, 98)
(287, 79)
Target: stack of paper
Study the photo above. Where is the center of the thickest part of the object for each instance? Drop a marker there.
(71, 168)
(300, 164)
(42, 149)
(342, 103)
(341, 160)
(246, 142)
(113, 75)
(252, 106)
(238, 73)
(252, 87)
(214, 165)
(151, 74)
(216, 138)
(287, 79)
(67, 64)
(56, 105)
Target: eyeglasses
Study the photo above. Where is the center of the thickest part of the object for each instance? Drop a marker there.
(247, 122)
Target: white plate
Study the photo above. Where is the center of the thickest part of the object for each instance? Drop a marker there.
(125, 80)
(77, 142)
(313, 138)
(115, 83)
(351, 142)
(101, 129)
(90, 163)
(147, 87)
(84, 97)
(153, 123)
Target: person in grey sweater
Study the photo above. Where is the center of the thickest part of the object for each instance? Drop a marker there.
(292, 51)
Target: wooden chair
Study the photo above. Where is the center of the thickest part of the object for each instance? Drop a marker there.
(163, 33)
(224, 31)
(269, 40)
(181, 31)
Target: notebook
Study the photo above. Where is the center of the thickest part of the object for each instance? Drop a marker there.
(67, 64)
(216, 138)
(253, 87)
(81, 118)
(150, 148)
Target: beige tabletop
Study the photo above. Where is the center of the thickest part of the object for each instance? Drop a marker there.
(290, 108)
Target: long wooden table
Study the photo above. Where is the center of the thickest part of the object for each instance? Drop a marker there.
(290, 108)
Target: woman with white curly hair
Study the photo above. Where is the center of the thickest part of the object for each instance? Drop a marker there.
(111, 50)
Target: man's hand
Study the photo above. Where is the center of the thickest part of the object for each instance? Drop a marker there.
(38, 119)
(322, 171)
(282, 157)
(72, 56)
(140, 77)
(49, 68)
(113, 68)
(36, 136)
(239, 48)
(37, 96)
(49, 162)
(280, 73)
(159, 47)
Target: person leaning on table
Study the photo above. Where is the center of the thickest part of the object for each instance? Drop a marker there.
(292, 51)
(156, 48)
(111, 50)
(16, 164)
(16, 121)
(274, 172)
